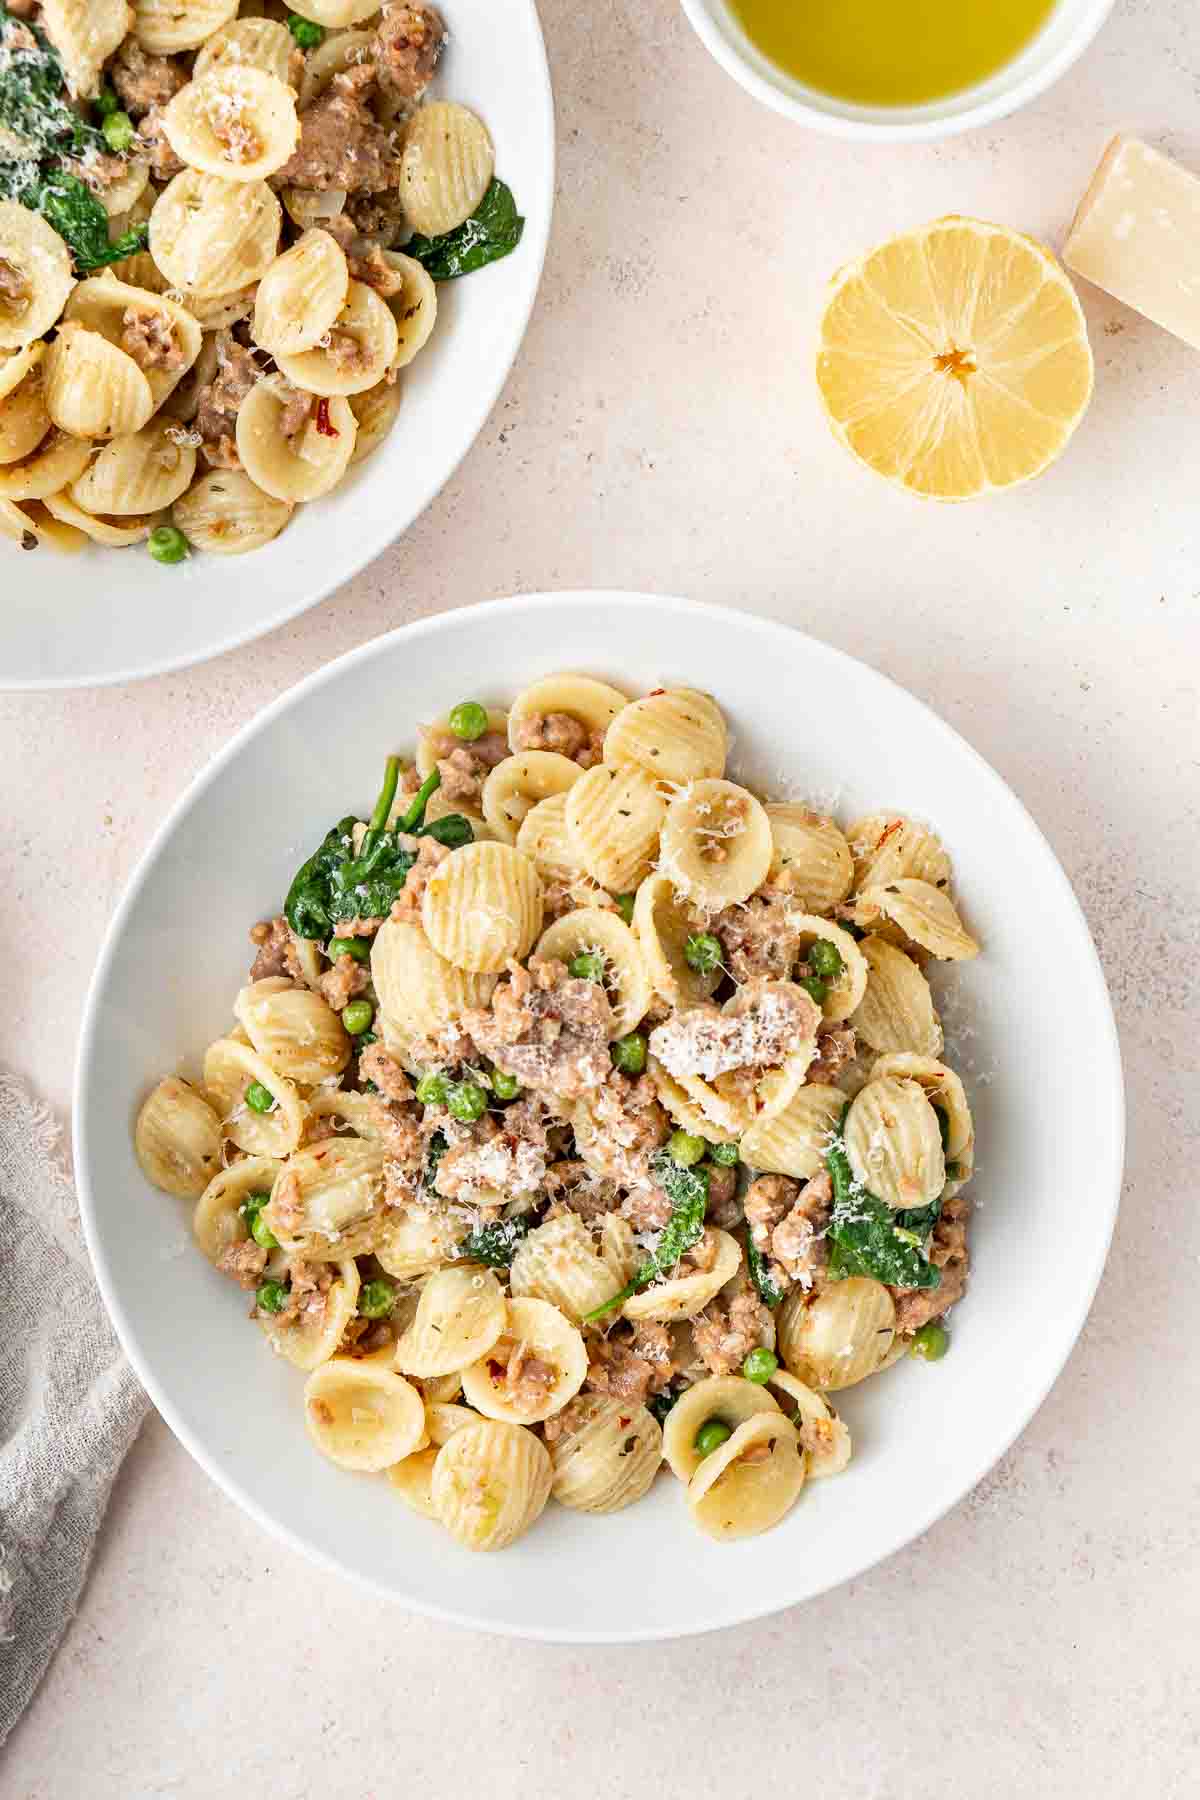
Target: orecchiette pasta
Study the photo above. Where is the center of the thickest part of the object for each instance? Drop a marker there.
(417, 985)
(588, 931)
(924, 913)
(460, 1317)
(686, 1294)
(264, 44)
(896, 1012)
(840, 1334)
(310, 1335)
(446, 166)
(414, 306)
(490, 1483)
(298, 467)
(614, 817)
(518, 783)
(375, 412)
(212, 235)
(94, 390)
(24, 420)
(824, 1438)
(716, 843)
(229, 1069)
(102, 530)
(226, 513)
(606, 1456)
(178, 1139)
(325, 1203)
(362, 1416)
(664, 923)
(85, 33)
(361, 348)
(293, 1029)
(749, 1483)
(38, 276)
(888, 848)
(843, 992)
(164, 26)
(811, 858)
(483, 907)
(219, 1221)
(301, 295)
(793, 1141)
(57, 460)
(894, 1143)
(536, 1365)
(560, 1262)
(728, 1399)
(237, 123)
(579, 698)
(147, 326)
(677, 736)
(140, 473)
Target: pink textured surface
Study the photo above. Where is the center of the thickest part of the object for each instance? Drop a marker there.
(661, 429)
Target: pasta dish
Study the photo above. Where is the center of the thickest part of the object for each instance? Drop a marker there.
(586, 1112)
(222, 231)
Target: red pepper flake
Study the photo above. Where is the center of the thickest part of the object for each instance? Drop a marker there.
(324, 426)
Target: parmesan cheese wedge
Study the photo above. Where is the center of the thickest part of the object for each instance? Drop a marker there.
(1137, 235)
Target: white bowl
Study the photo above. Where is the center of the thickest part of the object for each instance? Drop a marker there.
(115, 615)
(1061, 42)
(1034, 1034)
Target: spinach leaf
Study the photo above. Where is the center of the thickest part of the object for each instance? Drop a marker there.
(494, 1244)
(760, 1274)
(492, 231)
(866, 1236)
(660, 1404)
(433, 1156)
(687, 1190)
(38, 129)
(335, 883)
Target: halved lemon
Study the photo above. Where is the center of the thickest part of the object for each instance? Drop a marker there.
(954, 360)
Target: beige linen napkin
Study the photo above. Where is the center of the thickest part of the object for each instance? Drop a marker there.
(70, 1405)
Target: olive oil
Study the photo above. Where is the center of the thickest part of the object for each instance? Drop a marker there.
(891, 52)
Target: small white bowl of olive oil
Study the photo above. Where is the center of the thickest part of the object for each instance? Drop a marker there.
(896, 70)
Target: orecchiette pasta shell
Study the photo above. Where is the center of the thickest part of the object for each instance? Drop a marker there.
(102, 530)
(141, 473)
(617, 1246)
(311, 1336)
(729, 1399)
(301, 295)
(560, 1262)
(811, 858)
(824, 1438)
(459, 1318)
(591, 703)
(944, 1091)
(237, 123)
(896, 1012)
(483, 906)
(376, 410)
(24, 420)
(416, 1242)
(121, 198)
(164, 26)
(229, 1069)
(349, 1110)
(416, 985)
(340, 51)
(663, 925)
(614, 817)
(716, 843)
(794, 1141)
(686, 1111)
(438, 740)
(177, 1139)
(307, 207)
(843, 995)
(212, 236)
(218, 1222)
(85, 33)
(300, 468)
(893, 1142)
(414, 308)
(838, 1335)
(446, 166)
(325, 1202)
(443, 1419)
(750, 1482)
(590, 929)
(925, 914)
(683, 1296)
(57, 460)
(362, 1416)
(107, 305)
(518, 783)
(41, 278)
(360, 352)
(412, 1479)
(608, 1457)
(677, 736)
(491, 1482)
(224, 512)
(887, 847)
(33, 523)
(543, 835)
(293, 1029)
(216, 312)
(249, 44)
(94, 390)
(335, 13)
(534, 1331)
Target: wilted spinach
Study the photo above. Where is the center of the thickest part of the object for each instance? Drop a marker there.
(336, 883)
(687, 1190)
(867, 1238)
(495, 1244)
(492, 231)
(769, 1291)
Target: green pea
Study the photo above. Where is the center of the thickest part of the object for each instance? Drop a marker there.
(711, 1435)
(106, 102)
(812, 984)
(685, 1149)
(357, 1016)
(825, 959)
(167, 544)
(271, 1296)
(431, 1090)
(261, 1232)
(468, 720)
(625, 907)
(259, 1099)
(760, 1365)
(118, 132)
(505, 1087)
(466, 1101)
(306, 33)
(931, 1342)
(725, 1154)
(357, 947)
(629, 1053)
(587, 966)
(703, 952)
(376, 1299)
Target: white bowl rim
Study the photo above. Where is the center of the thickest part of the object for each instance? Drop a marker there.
(1110, 1098)
(879, 129)
(370, 544)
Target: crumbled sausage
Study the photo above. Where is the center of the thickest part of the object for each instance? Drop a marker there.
(626, 1124)
(631, 1362)
(758, 936)
(798, 1241)
(559, 732)
(346, 978)
(308, 1291)
(573, 1415)
(218, 402)
(546, 1028)
(837, 1047)
(573, 1187)
(764, 1022)
(429, 853)
(948, 1252)
(243, 1262)
(724, 1208)
(15, 291)
(342, 144)
(296, 408)
(377, 1064)
(725, 1336)
(142, 80)
(153, 143)
(150, 338)
(408, 43)
(399, 1131)
(504, 1165)
(521, 1376)
(277, 953)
